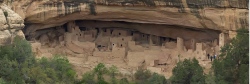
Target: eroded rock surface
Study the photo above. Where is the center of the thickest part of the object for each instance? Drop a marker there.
(222, 15)
(11, 24)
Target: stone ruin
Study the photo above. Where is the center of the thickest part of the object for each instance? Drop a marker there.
(125, 48)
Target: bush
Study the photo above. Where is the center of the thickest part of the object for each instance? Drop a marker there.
(142, 74)
(18, 66)
(188, 71)
(2, 81)
(124, 81)
(5, 14)
(157, 79)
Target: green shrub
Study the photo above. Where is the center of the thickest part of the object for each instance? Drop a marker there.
(5, 13)
(18, 66)
(188, 71)
(232, 65)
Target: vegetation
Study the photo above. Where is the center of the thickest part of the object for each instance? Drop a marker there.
(141, 76)
(233, 64)
(188, 72)
(18, 65)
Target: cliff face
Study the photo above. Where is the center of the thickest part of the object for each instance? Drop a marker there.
(11, 25)
(125, 32)
(222, 15)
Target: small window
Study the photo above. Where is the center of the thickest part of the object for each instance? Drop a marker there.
(119, 33)
(142, 35)
(122, 39)
(121, 45)
(132, 33)
(80, 34)
(111, 31)
(105, 30)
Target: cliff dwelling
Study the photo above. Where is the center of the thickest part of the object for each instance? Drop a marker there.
(127, 45)
(130, 34)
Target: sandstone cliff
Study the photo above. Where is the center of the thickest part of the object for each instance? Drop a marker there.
(222, 15)
(11, 25)
(149, 31)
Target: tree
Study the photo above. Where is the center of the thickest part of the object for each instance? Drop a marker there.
(157, 79)
(19, 66)
(124, 81)
(142, 75)
(2, 81)
(88, 78)
(100, 70)
(232, 65)
(20, 50)
(112, 73)
(188, 72)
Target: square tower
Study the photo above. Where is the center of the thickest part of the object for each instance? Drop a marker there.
(180, 44)
(222, 39)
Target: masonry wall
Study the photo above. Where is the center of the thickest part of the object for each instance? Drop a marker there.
(118, 52)
(117, 32)
(135, 59)
(180, 44)
(135, 48)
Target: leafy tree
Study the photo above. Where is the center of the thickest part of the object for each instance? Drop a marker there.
(124, 81)
(14, 56)
(100, 70)
(18, 66)
(210, 78)
(9, 71)
(232, 65)
(112, 73)
(142, 75)
(157, 79)
(20, 50)
(88, 78)
(188, 72)
(58, 68)
(2, 81)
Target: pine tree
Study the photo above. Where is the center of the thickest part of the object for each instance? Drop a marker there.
(188, 72)
(232, 67)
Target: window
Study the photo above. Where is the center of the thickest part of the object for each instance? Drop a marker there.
(111, 31)
(122, 39)
(121, 45)
(119, 33)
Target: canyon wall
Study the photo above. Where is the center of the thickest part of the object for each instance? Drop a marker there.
(222, 15)
(11, 24)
